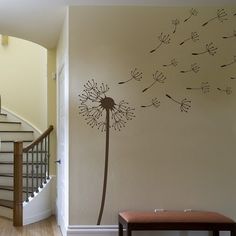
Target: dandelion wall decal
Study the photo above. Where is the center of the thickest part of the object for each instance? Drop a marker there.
(194, 37)
(157, 77)
(175, 23)
(96, 107)
(220, 16)
(164, 39)
(193, 12)
(173, 62)
(184, 104)
(155, 103)
(210, 48)
(225, 65)
(228, 90)
(205, 87)
(135, 75)
(231, 36)
(194, 68)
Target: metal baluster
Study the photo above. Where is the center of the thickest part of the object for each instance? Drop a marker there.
(45, 161)
(48, 152)
(37, 169)
(27, 177)
(41, 164)
(32, 172)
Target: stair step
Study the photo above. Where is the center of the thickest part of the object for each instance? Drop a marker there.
(10, 122)
(10, 125)
(11, 188)
(16, 131)
(3, 114)
(24, 163)
(11, 175)
(15, 135)
(6, 203)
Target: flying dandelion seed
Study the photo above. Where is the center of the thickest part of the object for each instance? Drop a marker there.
(228, 90)
(193, 12)
(184, 104)
(157, 77)
(210, 48)
(225, 65)
(194, 68)
(96, 107)
(205, 87)
(194, 37)
(172, 63)
(135, 75)
(164, 39)
(175, 22)
(220, 16)
(155, 103)
(231, 36)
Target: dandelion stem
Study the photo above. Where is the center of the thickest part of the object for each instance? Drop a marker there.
(123, 82)
(105, 168)
(153, 50)
(209, 21)
(194, 53)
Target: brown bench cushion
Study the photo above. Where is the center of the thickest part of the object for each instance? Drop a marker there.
(174, 217)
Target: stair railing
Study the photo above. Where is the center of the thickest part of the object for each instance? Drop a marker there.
(31, 167)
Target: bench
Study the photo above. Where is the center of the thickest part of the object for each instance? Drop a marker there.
(175, 220)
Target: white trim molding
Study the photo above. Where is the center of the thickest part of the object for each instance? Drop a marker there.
(92, 230)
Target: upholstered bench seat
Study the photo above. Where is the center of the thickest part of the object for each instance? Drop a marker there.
(175, 220)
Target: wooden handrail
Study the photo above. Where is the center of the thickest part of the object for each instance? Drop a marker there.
(18, 172)
(39, 139)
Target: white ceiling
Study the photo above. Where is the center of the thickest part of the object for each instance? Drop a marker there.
(40, 21)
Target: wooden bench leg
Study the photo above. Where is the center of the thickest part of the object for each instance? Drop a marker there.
(216, 233)
(120, 229)
(233, 232)
(129, 231)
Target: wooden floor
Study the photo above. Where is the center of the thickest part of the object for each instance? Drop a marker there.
(46, 227)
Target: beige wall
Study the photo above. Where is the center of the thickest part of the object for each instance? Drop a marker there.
(164, 158)
(52, 103)
(23, 80)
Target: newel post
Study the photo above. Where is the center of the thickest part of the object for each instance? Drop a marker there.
(18, 203)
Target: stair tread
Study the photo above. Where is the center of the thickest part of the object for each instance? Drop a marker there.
(12, 141)
(10, 122)
(29, 152)
(3, 114)
(6, 203)
(16, 131)
(24, 163)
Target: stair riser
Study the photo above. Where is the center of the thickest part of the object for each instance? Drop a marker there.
(9, 195)
(9, 182)
(10, 157)
(10, 146)
(10, 127)
(16, 136)
(3, 118)
(9, 169)
(6, 212)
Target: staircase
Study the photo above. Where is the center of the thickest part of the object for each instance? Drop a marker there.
(33, 168)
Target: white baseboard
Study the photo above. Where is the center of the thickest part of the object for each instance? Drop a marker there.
(36, 218)
(111, 230)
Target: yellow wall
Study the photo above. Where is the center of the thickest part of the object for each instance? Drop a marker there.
(23, 79)
(163, 158)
